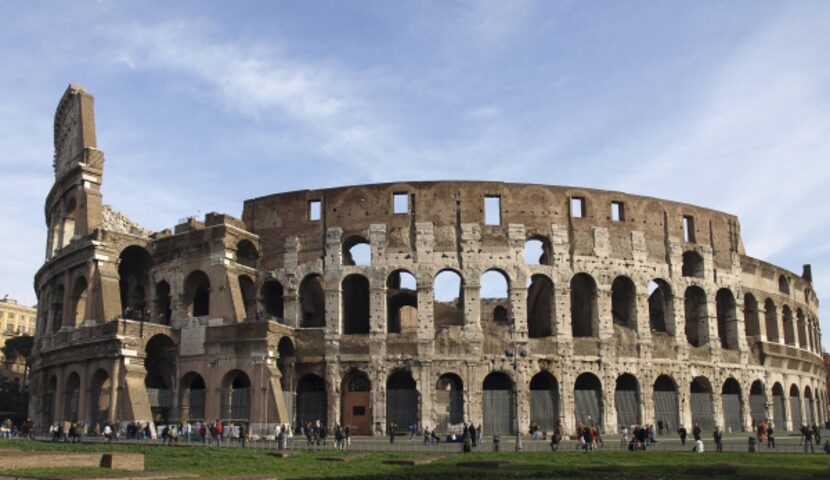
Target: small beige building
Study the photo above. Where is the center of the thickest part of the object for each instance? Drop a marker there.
(433, 303)
(15, 320)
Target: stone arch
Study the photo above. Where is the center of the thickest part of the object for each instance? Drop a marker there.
(99, 397)
(58, 293)
(356, 409)
(192, 390)
(789, 327)
(624, 302)
(235, 400)
(660, 306)
(588, 401)
(448, 298)
(808, 405)
(795, 407)
(726, 309)
(160, 367)
(271, 298)
(495, 296)
(68, 222)
(49, 401)
(693, 265)
(584, 312)
(666, 404)
(499, 404)
(757, 402)
(357, 251)
(697, 317)
(249, 300)
(801, 329)
(246, 253)
(312, 400)
(771, 321)
(134, 265)
(402, 302)
(80, 293)
(752, 323)
(355, 303)
(627, 400)
(702, 403)
(544, 401)
(732, 405)
(402, 399)
(312, 302)
(783, 285)
(71, 397)
(538, 250)
(197, 294)
(449, 401)
(778, 401)
(541, 307)
(162, 303)
(286, 358)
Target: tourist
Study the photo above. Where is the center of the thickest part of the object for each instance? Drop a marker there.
(827, 446)
(698, 446)
(696, 432)
(807, 433)
(243, 435)
(533, 430)
(555, 439)
(683, 434)
(413, 430)
(770, 436)
(718, 437)
(392, 428)
(426, 435)
(347, 433)
(473, 434)
(108, 432)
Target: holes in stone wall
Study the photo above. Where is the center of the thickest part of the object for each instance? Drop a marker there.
(538, 251)
(692, 265)
(357, 251)
(271, 298)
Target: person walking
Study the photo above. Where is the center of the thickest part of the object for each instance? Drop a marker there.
(770, 436)
(808, 440)
(718, 437)
(392, 428)
(683, 434)
(696, 431)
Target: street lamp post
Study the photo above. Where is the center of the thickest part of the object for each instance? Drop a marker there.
(514, 354)
(261, 359)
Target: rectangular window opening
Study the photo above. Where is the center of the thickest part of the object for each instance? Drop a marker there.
(314, 210)
(400, 203)
(358, 411)
(688, 229)
(492, 210)
(617, 211)
(577, 207)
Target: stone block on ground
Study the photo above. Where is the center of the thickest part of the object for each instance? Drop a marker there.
(123, 461)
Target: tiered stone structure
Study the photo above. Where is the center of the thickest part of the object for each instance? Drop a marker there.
(564, 305)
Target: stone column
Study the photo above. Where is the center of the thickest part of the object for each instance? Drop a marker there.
(115, 381)
(425, 391)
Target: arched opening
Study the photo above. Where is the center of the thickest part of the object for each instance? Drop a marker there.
(802, 329)
(779, 411)
(499, 404)
(356, 403)
(495, 303)
(160, 365)
(627, 400)
(732, 405)
(544, 401)
(666, 405)
(246, 253)
(99, 398)
(68, 227)
(71, 397)
(162, 303)
(789, 327)
(584, 314)
(192, 397)
(133, 279)
(197, 294)
(697, 317)
(703, 412)
(692, 265)
(752, 323)
(357, 251)
(588, 400)
(79, 297)
(771, 321)
(286, 360)
(624, 302)
(808, 405)
(312, 402)
(795, 407)
(248, 291)
(783, 285)
(448, 299)
(57, 307)
(660, 306)
(312, 302)
(355, 304)
(727, 319)
(235, 401)
(449, 402)
(538, 251)
(540, 307)
(401, 400)
(401, 302)
(271, 298)
(50, 398)
(757, 402)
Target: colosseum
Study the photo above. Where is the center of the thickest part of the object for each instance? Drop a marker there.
(432, 303)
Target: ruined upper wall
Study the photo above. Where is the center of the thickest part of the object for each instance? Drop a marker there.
(449, 204)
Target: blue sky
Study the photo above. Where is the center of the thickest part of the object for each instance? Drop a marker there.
(202, 105)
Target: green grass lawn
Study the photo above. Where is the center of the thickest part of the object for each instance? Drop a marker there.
(233, 462)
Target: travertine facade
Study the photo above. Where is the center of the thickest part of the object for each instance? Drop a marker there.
(477, 301)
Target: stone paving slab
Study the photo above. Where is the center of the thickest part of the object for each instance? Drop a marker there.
(413, 461)
(485, 464)
(18, 460)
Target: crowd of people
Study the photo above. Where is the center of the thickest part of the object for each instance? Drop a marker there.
(9, 429)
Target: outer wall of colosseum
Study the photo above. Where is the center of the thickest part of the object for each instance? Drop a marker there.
(428, 302)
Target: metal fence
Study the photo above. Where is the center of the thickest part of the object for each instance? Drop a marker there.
(628, 407)
(666, 409)
(731, 412)
(499, 412)
(402, 407)
(702, 411)
(588, 406)
(544, 408)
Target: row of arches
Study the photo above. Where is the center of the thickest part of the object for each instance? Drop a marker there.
(786, 327)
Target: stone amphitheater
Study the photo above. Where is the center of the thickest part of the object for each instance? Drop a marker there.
(433, 303)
